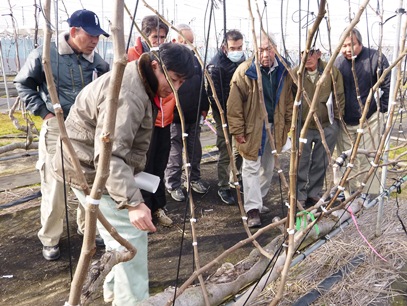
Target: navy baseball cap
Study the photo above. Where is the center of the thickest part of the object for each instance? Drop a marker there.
(88, 21)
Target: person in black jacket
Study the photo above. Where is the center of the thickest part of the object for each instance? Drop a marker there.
(367, 63)
(221, 69)
(194, 104)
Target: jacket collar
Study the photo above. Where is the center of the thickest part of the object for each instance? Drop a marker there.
(64, 48)
(278, 65)
(281, 72)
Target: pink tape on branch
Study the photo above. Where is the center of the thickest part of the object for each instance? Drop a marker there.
(363, 237)
(210, 126)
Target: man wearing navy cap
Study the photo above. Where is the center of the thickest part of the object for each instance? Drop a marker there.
(74, 64)
(88, 21)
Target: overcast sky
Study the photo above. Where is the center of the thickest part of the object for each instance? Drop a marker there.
(195, 14)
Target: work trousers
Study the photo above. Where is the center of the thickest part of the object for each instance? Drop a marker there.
(362, 163)
(257, 177)
(52, 200)
(225, 174)
(314, 161)
(173, 172)
(157, 158)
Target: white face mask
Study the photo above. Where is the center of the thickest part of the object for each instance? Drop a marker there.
(235, 56)
(189, 47)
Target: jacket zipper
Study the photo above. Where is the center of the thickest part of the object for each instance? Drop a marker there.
(80, 71)
(162, 112)
(72, 79)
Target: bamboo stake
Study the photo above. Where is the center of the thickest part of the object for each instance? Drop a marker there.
(222, 113)
(294, 160)
(187, 171)
(315, 116)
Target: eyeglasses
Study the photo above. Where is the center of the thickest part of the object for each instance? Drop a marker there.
(311, 53)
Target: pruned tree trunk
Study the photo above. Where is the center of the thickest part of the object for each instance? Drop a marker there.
(102, 172)
(92, 211)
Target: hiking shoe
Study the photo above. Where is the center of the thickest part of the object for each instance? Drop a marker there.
(177, 194)
(253, 218)
(162, 218)
(199, 187)
(264, 210)
(51, 252)
(98, 239)
(226, 196)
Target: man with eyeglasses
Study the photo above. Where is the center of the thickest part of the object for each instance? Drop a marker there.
(74, 65)
(314, 160)
(247, 122)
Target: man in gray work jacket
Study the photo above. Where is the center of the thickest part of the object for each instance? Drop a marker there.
(74, 64)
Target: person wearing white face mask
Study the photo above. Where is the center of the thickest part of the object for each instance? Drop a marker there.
(236, 56)
(221, 68)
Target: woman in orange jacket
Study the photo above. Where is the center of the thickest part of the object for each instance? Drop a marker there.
(157, 156)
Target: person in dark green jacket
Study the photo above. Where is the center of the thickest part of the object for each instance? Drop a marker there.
(74, 64)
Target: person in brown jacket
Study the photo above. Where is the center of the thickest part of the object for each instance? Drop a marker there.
(247, 125)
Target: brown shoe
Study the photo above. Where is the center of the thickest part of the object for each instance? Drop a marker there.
(253, 218)
(162, 218)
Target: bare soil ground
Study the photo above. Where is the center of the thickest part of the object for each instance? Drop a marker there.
(27, 279)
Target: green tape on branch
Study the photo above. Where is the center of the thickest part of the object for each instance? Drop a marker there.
(302, 221)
